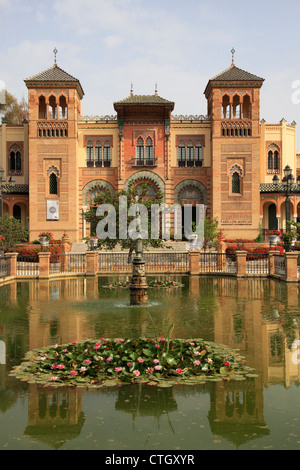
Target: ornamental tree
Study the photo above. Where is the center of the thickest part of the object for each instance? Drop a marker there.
(13, 232)
(116, 211)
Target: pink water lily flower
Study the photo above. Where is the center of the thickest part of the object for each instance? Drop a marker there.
(140, 360)
(179, 371)
(118, 369)
(73, 372)
(136, 373)
(82, 369)
(156, 361)
(53, 379)
(158, 367)
(197, 363)
(60, 366)
(150, 370)
(87, 361)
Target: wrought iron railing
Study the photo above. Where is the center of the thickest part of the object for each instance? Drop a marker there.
(279, 265)
(257, 263)
(28, 265)
(144, 161)
(154, 262)
(67, 263)
(4, 266)
(217, 263)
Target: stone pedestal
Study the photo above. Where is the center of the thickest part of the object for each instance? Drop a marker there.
(138, 286)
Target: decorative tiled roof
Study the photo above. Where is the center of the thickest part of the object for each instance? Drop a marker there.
(144, 99)
(54, 74)
(236, 74)
(16, 189)
(278, 188)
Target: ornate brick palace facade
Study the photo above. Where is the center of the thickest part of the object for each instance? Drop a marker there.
(225, 160)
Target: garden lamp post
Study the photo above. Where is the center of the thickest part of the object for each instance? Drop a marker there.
(288, 181)
(11, 183)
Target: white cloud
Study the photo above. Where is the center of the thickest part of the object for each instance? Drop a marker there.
(112, 41)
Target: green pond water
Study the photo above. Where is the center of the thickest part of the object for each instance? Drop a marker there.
(257, 316)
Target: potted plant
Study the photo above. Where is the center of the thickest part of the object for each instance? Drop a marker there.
(93, 243)
(45, 238)
(289, 239)
(273, 236)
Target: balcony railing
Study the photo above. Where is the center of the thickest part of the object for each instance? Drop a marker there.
(144, 161)
(98, 164)
(190, 164)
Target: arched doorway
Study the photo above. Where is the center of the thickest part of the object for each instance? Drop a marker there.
(17, 212)
(272, 219)
(189, 199)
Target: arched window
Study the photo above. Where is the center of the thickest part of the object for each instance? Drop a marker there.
(106, 154)
(15, 160)
(236, 107)
(52, 184)
(63, 108)
(89, 153)
(18, 161)
(276, 160)
(181, 153)
(236, 183)
(52, 107)
(140, 151)
(270, 160)
(226, 107)
(246, 107)
(12, 162)
(42, 108)
(190, 153)
(149, 151)
(273, 159)
(98, 154)
(198, 154)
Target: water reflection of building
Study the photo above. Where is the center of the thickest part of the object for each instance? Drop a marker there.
(144, 400)
(257, 316)
(54, 415)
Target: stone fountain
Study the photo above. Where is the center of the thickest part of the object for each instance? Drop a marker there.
(138, 286)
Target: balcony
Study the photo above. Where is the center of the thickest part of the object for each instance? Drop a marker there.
(98, 163)
(190, 164)
(144, 162)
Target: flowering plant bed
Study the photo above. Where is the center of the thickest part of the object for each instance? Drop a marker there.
(276, 233)
(111, 362)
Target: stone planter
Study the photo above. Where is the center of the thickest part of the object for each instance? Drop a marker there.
(273, 239)
(93, 243)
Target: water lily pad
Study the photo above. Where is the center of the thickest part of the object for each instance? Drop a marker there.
(115, 362)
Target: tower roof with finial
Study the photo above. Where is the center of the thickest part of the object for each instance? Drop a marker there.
(234, 74)
(53, 75)
(144, 99)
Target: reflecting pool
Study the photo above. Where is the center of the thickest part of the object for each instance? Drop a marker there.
(260, 317)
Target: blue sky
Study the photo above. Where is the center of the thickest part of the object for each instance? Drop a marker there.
(180, 44)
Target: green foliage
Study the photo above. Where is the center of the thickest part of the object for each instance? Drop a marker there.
(12, 111)
(110, 362)
(13, 232)
(108, 197)
(260, 237)
(211, 231)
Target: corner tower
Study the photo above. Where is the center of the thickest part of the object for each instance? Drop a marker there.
(233, 99)
(54, 101)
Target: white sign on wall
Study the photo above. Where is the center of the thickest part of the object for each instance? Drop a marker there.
(52, 210)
